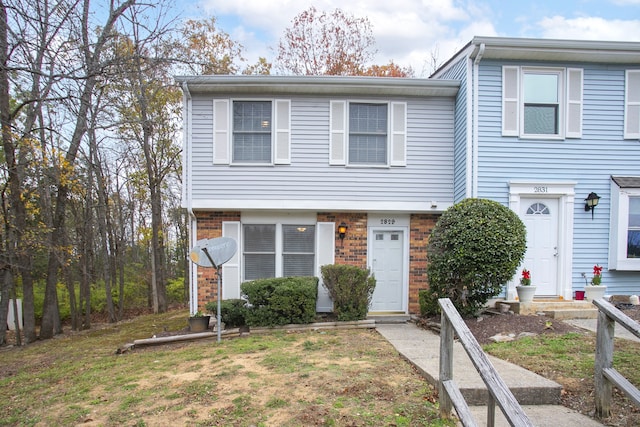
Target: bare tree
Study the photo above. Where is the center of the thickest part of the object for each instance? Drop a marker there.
(318, 43)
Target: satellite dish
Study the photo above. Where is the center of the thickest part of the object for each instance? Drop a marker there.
(213, 252)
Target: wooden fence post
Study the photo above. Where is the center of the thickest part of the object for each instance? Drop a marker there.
(604, 360)
(446, 364)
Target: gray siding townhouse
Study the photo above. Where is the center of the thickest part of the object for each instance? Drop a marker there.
(308, 171)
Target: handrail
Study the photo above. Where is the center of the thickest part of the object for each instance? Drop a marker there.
(498, 391)
(605, 376)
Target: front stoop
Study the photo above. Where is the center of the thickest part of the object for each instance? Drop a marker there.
(556, 309)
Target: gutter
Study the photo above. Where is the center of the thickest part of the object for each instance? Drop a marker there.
(186, 193)
(476, 103)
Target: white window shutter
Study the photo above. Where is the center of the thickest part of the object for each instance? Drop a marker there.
(337, 132)
(510, 101)
(221, 133)
(231, 268)
(398, 134)
(282, 139)
(574, 103)
(325, 255)
(632, 105)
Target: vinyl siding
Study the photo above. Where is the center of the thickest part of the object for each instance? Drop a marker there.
(427, 176)
(590, 161)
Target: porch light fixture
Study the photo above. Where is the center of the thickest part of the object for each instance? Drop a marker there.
(342, 230)
(591, 202)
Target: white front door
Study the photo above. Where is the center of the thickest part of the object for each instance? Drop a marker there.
(540, 216)
(387, 266)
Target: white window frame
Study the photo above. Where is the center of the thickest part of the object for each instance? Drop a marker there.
(387, 134)
(560, 73)
(396, 138)
(570, 101)
(232, 133)
(619, 228)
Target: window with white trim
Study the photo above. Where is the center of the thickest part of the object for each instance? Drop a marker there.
(543, 103)
(624, 248)
(278, 250)
(368, 134)
(251, 132)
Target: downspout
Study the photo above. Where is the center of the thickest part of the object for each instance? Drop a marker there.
(186, 193)
(476, 104)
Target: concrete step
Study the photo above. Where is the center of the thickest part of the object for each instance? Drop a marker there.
(388, 318)
(570, 313)
(540, 415)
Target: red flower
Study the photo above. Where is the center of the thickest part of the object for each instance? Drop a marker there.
(597, 270)
(526, 274)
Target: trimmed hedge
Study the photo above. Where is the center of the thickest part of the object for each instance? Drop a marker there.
(232, 311)
(350, 288)
(280, 301)
(474, 249)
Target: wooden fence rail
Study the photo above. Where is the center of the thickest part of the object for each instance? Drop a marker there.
(606, 376)
(450, 396)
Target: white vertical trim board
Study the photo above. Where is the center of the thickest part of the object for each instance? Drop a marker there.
(231, 269)
(398, 137)
(510, 101)
(338, 133)
(632, 105)
(325, 255)
(282, 132)
(574, 103)
(221, 131)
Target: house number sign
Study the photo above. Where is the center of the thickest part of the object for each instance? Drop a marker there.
(387, 221)
(540, 189)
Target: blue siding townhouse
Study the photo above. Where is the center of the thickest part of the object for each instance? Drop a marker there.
(307, 171)
(542, 124)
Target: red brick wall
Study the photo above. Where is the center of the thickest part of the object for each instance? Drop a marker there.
(419, 230)
(209, 227)
(353, 249)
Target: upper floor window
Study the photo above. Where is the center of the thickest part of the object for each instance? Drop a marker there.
(541, 94)
(543, 103)
(254, 132)
(624, 250)
(368, 133)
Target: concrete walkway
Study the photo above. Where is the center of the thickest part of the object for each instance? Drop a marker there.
(592, 324)
(539, 396)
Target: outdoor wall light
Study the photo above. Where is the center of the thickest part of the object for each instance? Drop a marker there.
(342, 230)
(591, 202)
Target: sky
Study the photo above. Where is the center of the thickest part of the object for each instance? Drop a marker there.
(412, 32)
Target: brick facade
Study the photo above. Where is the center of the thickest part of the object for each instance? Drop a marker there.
(352, 250)
(209, 227)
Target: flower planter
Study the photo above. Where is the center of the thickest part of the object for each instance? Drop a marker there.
(199, 324)
(594, 292)
(525, 293)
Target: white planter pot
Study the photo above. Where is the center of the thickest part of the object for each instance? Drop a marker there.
(525, 293)
(594, 292)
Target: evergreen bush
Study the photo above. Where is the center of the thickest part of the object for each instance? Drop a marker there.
(350, 288)
(232, 311)
(281, 301)
(474, 249)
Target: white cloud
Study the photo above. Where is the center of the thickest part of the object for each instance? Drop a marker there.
(590, 28)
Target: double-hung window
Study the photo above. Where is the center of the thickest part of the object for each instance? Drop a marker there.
(251, 132)
(541, 103)
(368, 134)
(278, 250)
(624, 250)
(541, 106)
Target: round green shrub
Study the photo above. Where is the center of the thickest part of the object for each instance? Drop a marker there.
(474, 249)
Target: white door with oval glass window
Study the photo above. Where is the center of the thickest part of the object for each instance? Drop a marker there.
(540, 216)
(387, 261)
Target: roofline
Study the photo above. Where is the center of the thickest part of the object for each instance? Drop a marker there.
(508, 48)
(318, 85)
